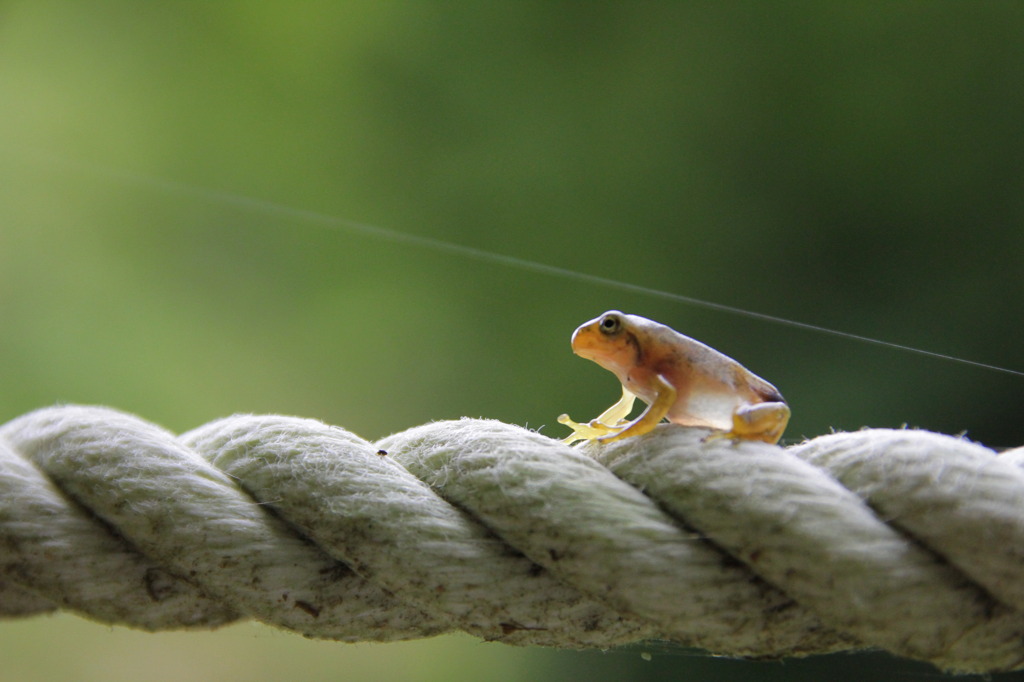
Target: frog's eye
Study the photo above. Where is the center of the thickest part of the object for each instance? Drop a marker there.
(610, 324)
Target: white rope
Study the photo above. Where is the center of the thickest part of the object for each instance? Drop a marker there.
(903, 540)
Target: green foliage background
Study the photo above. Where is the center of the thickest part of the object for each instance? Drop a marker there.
(853, 165)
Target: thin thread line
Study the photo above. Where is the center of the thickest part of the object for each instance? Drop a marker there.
(342, 224)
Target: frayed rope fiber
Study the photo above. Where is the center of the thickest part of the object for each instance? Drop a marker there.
(902, 540)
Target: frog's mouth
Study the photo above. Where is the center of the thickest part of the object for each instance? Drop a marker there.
(583, 344)
(615, 355)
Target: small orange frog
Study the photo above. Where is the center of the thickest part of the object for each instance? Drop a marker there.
(679, 378)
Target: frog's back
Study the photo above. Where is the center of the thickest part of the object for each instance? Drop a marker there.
(710, 384)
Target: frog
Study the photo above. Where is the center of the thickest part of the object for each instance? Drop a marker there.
(681, 380)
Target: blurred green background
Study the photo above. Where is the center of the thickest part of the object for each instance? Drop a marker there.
(853, 165)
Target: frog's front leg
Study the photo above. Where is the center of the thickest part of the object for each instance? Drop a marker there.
(664, 399)
(761, 421)
(605, 423)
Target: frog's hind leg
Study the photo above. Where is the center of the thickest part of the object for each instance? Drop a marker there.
(761, 421)
(650, 417)
(605, 423)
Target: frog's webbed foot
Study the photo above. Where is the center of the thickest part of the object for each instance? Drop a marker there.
(762, 421)
(607, 422)
(588, 431)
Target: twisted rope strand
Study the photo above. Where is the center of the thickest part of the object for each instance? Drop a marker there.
(576, 519)
(803, 532)
(904, 540)
(365, 509)
(55, 547)
(180, 511)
